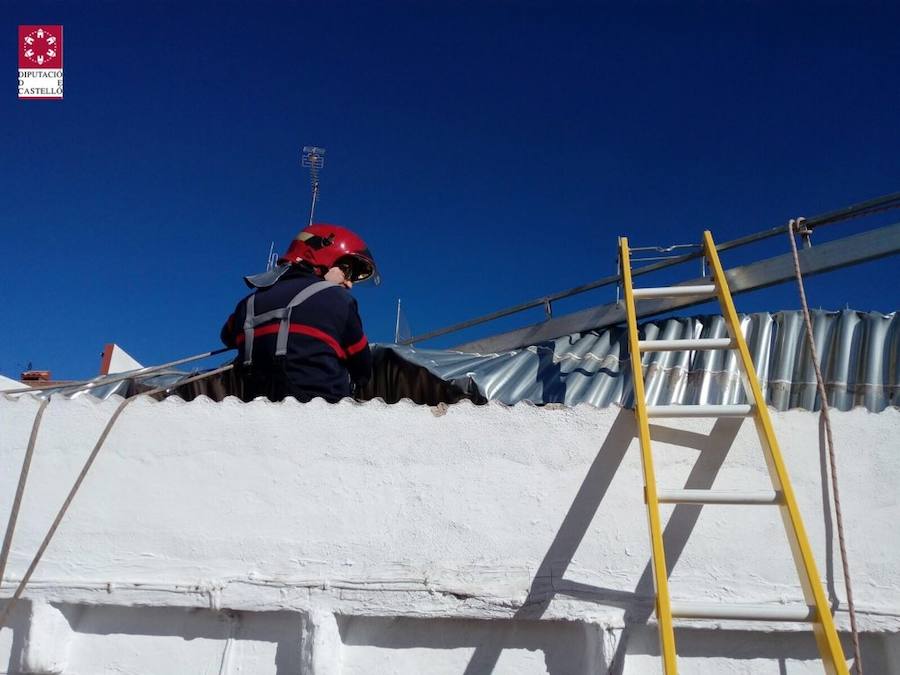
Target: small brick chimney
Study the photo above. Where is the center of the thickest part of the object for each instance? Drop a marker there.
(35, 376)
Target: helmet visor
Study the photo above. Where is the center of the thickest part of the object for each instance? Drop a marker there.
(357, 269)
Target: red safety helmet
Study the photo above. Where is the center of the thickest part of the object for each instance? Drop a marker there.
(325, 246)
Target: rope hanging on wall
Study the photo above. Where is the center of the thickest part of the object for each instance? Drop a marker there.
(20, 589)
(796, 227)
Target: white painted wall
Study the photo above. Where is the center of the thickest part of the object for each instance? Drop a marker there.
(285, 538)
(7, 384)
(117, 360)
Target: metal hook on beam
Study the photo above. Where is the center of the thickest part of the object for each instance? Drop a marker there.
(798, 226)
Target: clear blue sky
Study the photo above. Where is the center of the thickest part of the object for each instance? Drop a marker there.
(490, 152)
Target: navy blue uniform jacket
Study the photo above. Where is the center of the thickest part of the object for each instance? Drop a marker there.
(326, 347)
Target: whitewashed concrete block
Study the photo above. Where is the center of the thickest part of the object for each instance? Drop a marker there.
(47, 643)
(321, 643)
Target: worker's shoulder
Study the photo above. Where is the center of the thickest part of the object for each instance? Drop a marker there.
(332, 293)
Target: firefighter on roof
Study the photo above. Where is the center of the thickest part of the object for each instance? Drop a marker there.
(299, 333)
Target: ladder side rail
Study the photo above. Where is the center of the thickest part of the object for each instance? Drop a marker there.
(651, 496)
(804, 559)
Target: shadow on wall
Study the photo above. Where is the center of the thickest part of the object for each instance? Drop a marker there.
(17, 623)
(405, 645)
(213, 631)
(566, 647)
(880, 650)
(549, 578)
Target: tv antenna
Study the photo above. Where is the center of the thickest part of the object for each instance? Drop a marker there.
(314, 158)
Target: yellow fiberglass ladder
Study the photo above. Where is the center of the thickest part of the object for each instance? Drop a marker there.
(817, 611)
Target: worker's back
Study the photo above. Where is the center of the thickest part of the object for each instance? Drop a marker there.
(326, 346)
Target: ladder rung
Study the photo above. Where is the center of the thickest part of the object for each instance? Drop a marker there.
(719, 497)
(674, 291)
(715, 610)
(743, 410)
(684, 345)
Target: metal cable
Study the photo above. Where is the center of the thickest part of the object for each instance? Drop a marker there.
(78, 481)
(820, 382)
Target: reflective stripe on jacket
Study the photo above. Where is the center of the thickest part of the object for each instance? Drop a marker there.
(323, 346)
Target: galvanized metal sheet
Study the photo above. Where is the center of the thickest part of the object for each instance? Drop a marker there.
(860, 355)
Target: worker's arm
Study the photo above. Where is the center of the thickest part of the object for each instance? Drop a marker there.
(234, 326)
(228, 334)
(355, 344)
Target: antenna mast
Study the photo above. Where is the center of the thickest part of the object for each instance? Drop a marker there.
(314, 158)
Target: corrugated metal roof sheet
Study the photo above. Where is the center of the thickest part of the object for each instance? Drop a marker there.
(859, 353)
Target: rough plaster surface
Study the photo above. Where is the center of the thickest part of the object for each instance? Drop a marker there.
(284, 538)
(48, 641)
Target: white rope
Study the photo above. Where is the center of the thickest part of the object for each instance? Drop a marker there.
(20, 489)
(794, 227)
(78, 481)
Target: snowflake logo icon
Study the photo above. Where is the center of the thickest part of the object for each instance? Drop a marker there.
(41, 47)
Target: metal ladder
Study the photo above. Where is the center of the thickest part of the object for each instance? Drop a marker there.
(817, 611)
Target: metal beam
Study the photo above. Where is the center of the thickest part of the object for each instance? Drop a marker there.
(832, 255)
(855, 211)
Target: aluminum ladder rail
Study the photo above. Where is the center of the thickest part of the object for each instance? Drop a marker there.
(817, 611)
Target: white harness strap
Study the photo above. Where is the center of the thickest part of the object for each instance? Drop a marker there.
(252, 320)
